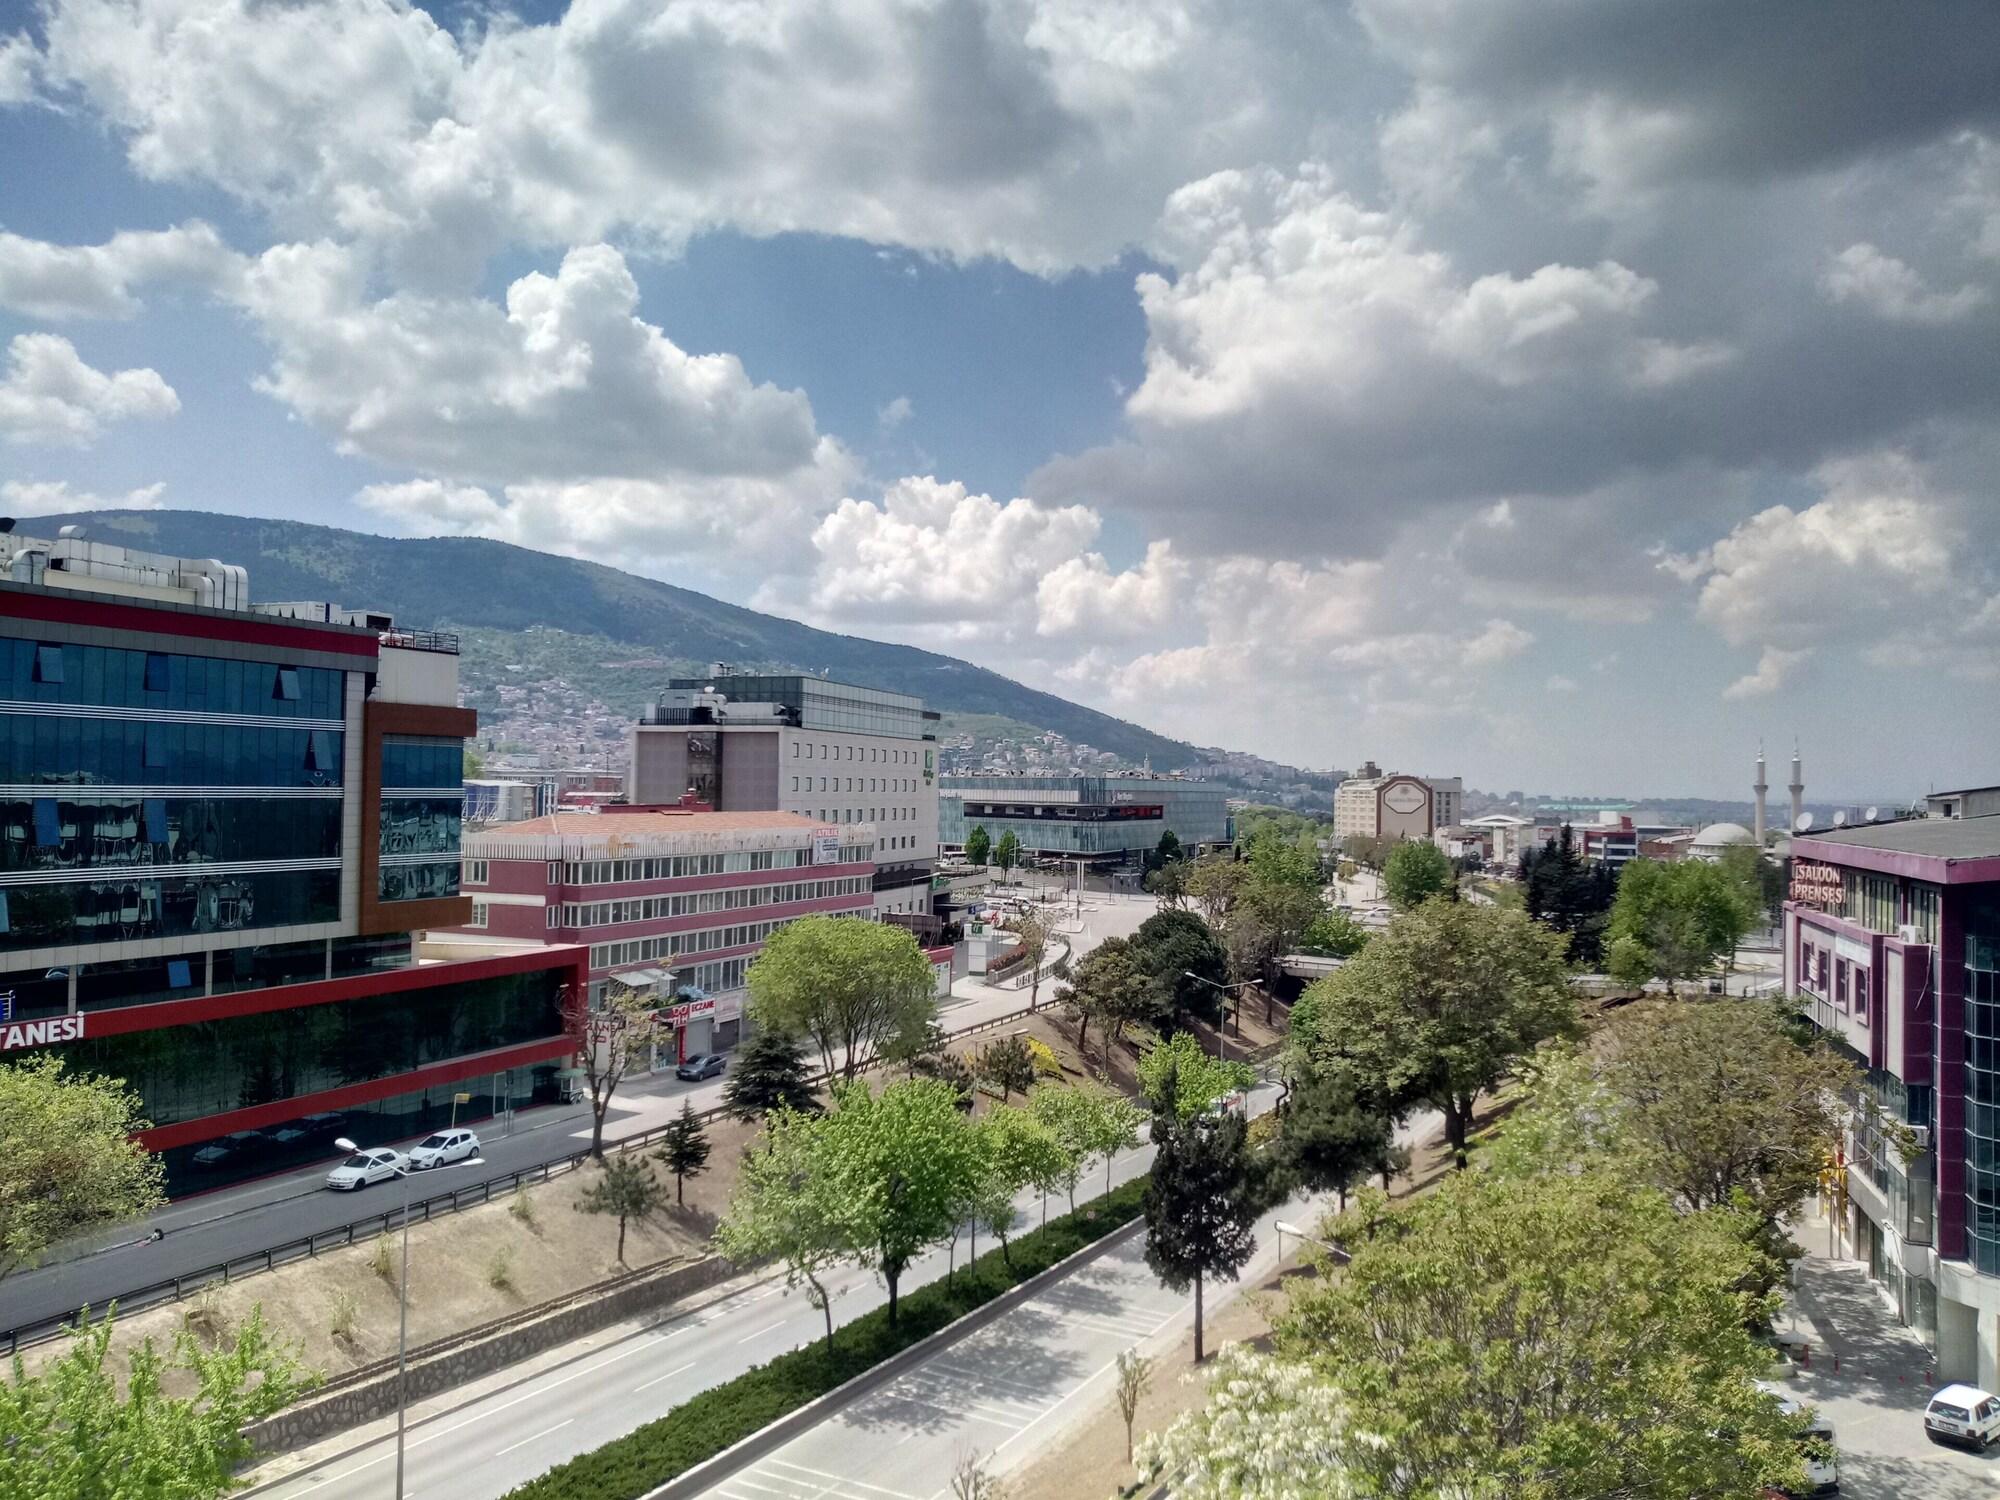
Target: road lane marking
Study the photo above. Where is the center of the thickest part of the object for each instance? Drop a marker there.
(772, 1328)
(668, 1376)
(536, 1438)
(841, 1479)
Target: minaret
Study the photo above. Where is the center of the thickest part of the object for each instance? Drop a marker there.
(1798, 787)
(1760, 786)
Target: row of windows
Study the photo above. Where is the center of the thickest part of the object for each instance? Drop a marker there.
(655, 908)
(873, 754)
(209, 1067)
(67, 833)
(102, 911)
(40, 750)
(676, 944)
(420, 825)
(1982, 1101)
(681, 866)
(219, 971)
(877, 815)
(422, 761)
(421, 882)
(110, 677)
(857, 784)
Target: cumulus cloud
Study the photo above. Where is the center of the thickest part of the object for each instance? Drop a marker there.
(1774, 667)
(42, 280)
(894, 414)
(20, 66)
(1888, 288)
(55, 497)
(1084, 596)
(49, 395)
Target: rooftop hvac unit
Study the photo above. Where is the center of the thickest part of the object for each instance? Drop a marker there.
(1923, 1136)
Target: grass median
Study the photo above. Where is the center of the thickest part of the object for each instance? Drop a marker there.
(705, 1424)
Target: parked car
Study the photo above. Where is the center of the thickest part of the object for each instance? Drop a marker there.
(229, 1148)
(701, 1065)
(365, 1167)
(1821, 1451)
(442, 1147)
(1963, 1414)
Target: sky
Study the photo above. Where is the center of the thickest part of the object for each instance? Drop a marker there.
(1564, 394)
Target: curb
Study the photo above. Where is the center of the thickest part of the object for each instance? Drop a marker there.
(769, 1439)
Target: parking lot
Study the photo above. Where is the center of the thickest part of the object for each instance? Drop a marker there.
(1872, 1376)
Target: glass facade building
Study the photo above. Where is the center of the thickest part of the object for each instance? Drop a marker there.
(423, 805)
(1093, 817)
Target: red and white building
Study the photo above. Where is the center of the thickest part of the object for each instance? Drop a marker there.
(672, 902)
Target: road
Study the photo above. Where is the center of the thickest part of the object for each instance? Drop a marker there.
(484, 1448)
(216, 1227)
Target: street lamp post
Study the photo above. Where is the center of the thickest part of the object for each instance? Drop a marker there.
(1221, 1032)
(403, 1317)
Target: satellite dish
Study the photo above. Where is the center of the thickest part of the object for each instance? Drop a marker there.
(1873, 813)
(1805, 821)
(1840, 819)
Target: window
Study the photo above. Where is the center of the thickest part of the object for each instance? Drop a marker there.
(48, 827)
(156, 672)
(795, 749)
(156, 747)
(1860, 994)
(320, 753)
(478, 914)
(476, 872)
(286, 687)
(48, 664)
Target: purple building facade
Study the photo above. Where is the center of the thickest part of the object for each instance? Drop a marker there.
(1892, 938)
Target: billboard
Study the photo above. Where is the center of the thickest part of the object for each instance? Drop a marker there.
(1815, 883)
(826, 846)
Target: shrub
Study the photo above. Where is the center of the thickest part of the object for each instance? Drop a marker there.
(1046, 1065)
(523, 1208)
(345, 1310)
(500, 1269)
(704, 1425)
(383, 1261)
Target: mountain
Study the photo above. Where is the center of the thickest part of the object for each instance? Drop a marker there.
(496, 593)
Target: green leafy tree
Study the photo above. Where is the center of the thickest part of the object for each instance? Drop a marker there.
(1674, 921)
(1007, 853)
(1033, 932)
(768, 1073)
(1275, 859)
(1329, 1140)
(1012, 1150)
(608, 1040)
(978, 845)
(1563, 1337)
(1761, 878)
(1008, 1065)
(1073, 1118)
(1367, 849)
(1439, 1006)
(1110, 985)
(1569, 894)
(1269, 1429)
(684, 1149)
(170, 1429)
(1214, 885)
(849, 987)
(1170, 884)
(907, 1162)
(1266, 923)
(68, 1164)
(791, 1206)
(1114, 1128)
(626, 1189)
(1335, 934)
(1179, 1070)
(1166, 852)
(1415, 871)
(1188, 965)
(1201, 1202)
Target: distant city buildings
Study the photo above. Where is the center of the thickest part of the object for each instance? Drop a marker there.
(1106, 820)
(1395, 805)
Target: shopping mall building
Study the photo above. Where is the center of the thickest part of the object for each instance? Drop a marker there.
(1892, 938)
(223, 824)
(1103, 820)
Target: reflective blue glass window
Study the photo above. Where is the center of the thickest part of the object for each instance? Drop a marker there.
(156, 672)
(48, 830)
(48, 664)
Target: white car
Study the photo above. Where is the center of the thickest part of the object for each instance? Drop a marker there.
(365, 1167)
(443, 1146)
(1963, 1414)
(1822, 1454)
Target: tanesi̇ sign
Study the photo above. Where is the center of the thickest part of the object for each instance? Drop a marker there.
(40, 1033)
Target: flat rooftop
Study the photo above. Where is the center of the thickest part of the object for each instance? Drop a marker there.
(629, 823)
(1940, 838)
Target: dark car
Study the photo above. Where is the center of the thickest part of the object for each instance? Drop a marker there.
(701, 1065)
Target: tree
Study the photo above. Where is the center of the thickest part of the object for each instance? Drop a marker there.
(1200, 1202)
(68, 1163)
(1012, 1150)
(1032, 931)
(607, 1041)
(1440, 1005)
(684, 1149)
(1109, 984)
(972, 1480)
(1073, 1118)
(1170, 884)
(1367, 849)
(1166, 852)
(1565, 1337)
(1266, 923)
(1335, 934)
(1269, 1429)
(1569, 894)
(790, 1205)
(906, 1160)
(1328, 1138)
(171, 1426)
(1188, 965)
(1415, 871)
(1178, 1070)
(1674, 921)
(626, 1188)
(1761, 878)
(769, 1074)
(848, 986)
(1214, 884)
(1008, 1066)
(1007, 853)
(978, 845)
(1135, 1375)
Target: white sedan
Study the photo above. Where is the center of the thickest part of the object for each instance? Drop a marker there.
(364, 1168)
(443, 1147)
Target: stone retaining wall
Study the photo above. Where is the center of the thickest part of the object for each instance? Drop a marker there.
(370, 1393)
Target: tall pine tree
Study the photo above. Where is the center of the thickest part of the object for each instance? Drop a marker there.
(1201, 1201)
(684, 1149)
(1571, 895)
(770, 1073)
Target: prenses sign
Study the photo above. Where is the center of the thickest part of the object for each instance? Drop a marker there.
(40, 1033)
(1815, 883)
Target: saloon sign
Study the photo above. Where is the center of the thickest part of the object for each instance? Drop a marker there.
(40, 1033)
(1815, 883)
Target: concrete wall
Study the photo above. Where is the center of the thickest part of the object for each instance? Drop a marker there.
(371, 1392)
(749, 772)
(659, 764)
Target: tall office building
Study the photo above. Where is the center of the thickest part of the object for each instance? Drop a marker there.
(223, 824)
(1394, 805)
(828, 751)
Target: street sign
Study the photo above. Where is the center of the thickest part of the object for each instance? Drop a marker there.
(461, 1098)
(7, 1006)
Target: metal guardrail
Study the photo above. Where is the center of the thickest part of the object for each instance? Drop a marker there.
(423, 640)
(359, 1231)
